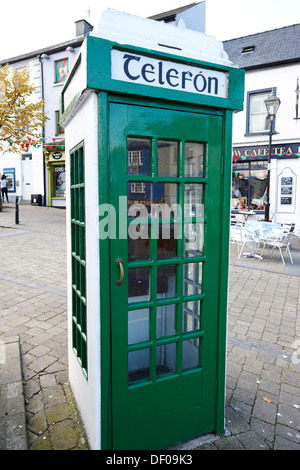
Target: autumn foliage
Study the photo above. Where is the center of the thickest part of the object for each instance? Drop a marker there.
(21, 119)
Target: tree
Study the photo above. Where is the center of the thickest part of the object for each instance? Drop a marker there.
(21, 119)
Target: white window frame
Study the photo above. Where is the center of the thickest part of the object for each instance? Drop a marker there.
(138, 188)
(262, 113)
(135, 155)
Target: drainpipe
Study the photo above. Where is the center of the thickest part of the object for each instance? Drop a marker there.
(44, 161)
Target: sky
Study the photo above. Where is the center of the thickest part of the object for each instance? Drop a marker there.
(26, 26)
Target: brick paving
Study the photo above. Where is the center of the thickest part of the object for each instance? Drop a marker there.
(263, 369)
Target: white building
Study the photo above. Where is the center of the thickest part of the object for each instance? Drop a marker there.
(37, 174)
(24, 171)
(271, 61)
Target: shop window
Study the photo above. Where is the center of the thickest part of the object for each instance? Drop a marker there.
(61, 70)
(59, 181)
(257, 116)
(249, 183)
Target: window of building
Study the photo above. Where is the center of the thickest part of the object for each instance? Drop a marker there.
(59, 130)
(61, 70)
(135, 157)
(138, 188)
(248, 49)
(249, 184)
(257, 117)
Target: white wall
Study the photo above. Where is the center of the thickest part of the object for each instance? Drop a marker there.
(284, 78)
(53, 90)
(14, 160)
(84, 126)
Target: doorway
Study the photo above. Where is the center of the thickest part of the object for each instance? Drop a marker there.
(27, 177)
(165, 270)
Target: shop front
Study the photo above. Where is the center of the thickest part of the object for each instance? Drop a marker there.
(249, 180)
(55, 162)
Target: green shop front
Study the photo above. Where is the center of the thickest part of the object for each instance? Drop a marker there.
(56, 176)
(148, 162)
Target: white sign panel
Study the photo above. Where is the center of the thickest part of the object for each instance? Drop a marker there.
(286, 191)
(135, 68)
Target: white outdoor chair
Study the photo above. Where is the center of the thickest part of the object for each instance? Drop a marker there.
(281, 244)
(236, 237)
(296, 232)
(250, 241)
(287, 228)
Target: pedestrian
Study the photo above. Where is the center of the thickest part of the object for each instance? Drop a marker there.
(4, 186)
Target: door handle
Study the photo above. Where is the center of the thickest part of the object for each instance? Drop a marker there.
(119, 261)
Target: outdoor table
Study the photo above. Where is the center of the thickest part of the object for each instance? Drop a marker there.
(266, 230)
(263, 230)
(246, 214)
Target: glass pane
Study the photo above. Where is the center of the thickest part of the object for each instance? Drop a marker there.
(159, 200)
(138, 365)
(194, 159)
(138, 325)
(258, 184)
(193, 200)
(165, 199)
(139, 199)
(191, 316)
(138, 284)
(166, 359)
(192, 279)
(138, 249)
(166, 281)
(258, 123)
(191, 353)
(240, 186)
(167, 241)
(138, 156)
(165, 320)
(167, 157)
(193, 239)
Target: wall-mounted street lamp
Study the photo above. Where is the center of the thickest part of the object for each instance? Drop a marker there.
(272, 104)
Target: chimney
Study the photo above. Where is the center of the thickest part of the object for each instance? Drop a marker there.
(83, 28)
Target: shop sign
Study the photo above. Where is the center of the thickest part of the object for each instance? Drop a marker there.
(262, 152)
(135, 68)
(57, 155)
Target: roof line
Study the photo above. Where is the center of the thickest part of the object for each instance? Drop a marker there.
(262, 32)
(49, 50)
(171, 13)
(271, 64)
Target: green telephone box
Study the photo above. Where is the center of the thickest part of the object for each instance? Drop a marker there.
(148, 128)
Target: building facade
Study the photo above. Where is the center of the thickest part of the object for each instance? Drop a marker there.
(38, 173)
(271, 61)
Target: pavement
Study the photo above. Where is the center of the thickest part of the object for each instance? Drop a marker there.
(37, 408)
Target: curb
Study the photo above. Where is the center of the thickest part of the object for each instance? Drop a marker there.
(12, 405)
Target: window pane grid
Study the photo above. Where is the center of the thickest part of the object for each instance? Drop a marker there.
(78, 244)
(171, 293)
(258, 113)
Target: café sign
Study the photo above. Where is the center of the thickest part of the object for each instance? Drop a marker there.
(290, 150)
(135, 68)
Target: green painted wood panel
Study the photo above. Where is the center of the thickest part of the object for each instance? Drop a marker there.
(162, 408)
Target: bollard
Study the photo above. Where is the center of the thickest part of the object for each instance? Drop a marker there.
(17, 210)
